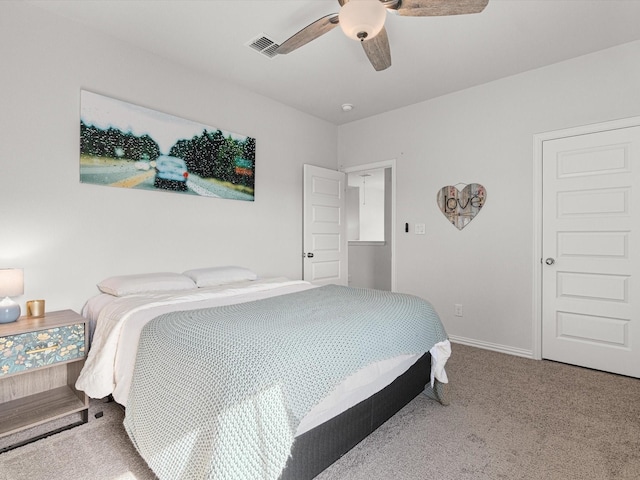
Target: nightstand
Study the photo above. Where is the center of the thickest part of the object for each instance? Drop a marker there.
(40, 360)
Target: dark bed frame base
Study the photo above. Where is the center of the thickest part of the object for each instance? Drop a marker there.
(318, 448)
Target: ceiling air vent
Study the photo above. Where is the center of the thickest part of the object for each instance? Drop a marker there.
(264, 45)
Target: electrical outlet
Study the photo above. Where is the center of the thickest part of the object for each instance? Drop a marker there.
(457, 310)
(420, 228)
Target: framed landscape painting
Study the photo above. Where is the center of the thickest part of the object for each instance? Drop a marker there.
(128, 146)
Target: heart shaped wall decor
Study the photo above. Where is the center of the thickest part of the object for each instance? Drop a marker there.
(461, 206)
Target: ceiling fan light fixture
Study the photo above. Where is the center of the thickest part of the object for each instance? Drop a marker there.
(362, 19)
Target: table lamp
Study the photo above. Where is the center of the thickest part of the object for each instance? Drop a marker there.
(11, 285)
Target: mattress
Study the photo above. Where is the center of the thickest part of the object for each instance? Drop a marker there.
(116, 323)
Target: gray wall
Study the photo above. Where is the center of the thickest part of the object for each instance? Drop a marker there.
(485, 135)
(68, 236)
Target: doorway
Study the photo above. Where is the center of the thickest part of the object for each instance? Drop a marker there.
(371, 225)
(588, 267)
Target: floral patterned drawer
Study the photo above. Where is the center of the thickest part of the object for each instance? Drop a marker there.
(41, 348)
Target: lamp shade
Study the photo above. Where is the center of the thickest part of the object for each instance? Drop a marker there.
(11, 282)
(362, 19)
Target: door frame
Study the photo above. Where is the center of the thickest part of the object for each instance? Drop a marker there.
(392, 165)
(538, 141)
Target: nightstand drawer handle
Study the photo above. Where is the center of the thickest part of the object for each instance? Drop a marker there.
(43, 349)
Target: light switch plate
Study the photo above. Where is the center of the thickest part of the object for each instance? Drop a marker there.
(420, 229)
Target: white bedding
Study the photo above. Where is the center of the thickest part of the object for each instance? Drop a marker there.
(118, 322)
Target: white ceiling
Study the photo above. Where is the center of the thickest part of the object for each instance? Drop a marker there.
(430, 56)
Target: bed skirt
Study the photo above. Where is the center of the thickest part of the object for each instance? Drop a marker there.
(315, 450)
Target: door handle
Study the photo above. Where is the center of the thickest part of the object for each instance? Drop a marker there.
(550, 261)
(310, 255)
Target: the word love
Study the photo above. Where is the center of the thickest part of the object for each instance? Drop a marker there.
(461, 206)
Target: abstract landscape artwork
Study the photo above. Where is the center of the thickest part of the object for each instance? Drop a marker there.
(129, 146)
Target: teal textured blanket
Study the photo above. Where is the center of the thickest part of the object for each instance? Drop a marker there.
(218, 393)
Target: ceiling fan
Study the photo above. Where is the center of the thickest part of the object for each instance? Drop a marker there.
(363, 20)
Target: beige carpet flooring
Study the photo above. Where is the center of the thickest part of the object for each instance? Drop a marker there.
(509, 418)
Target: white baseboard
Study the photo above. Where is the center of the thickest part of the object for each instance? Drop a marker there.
(518, 352)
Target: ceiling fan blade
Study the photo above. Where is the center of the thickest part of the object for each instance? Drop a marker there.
(433, 8)
(308, 33)
(378, 51)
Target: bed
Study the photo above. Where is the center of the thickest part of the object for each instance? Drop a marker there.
(197, 360)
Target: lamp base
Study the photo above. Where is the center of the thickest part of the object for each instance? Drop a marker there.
(9, 311)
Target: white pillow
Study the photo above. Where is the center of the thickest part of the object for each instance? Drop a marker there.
(145, 282)
(209, 277)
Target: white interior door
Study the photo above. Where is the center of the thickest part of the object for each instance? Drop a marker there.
(324, 226)
(590, 270)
